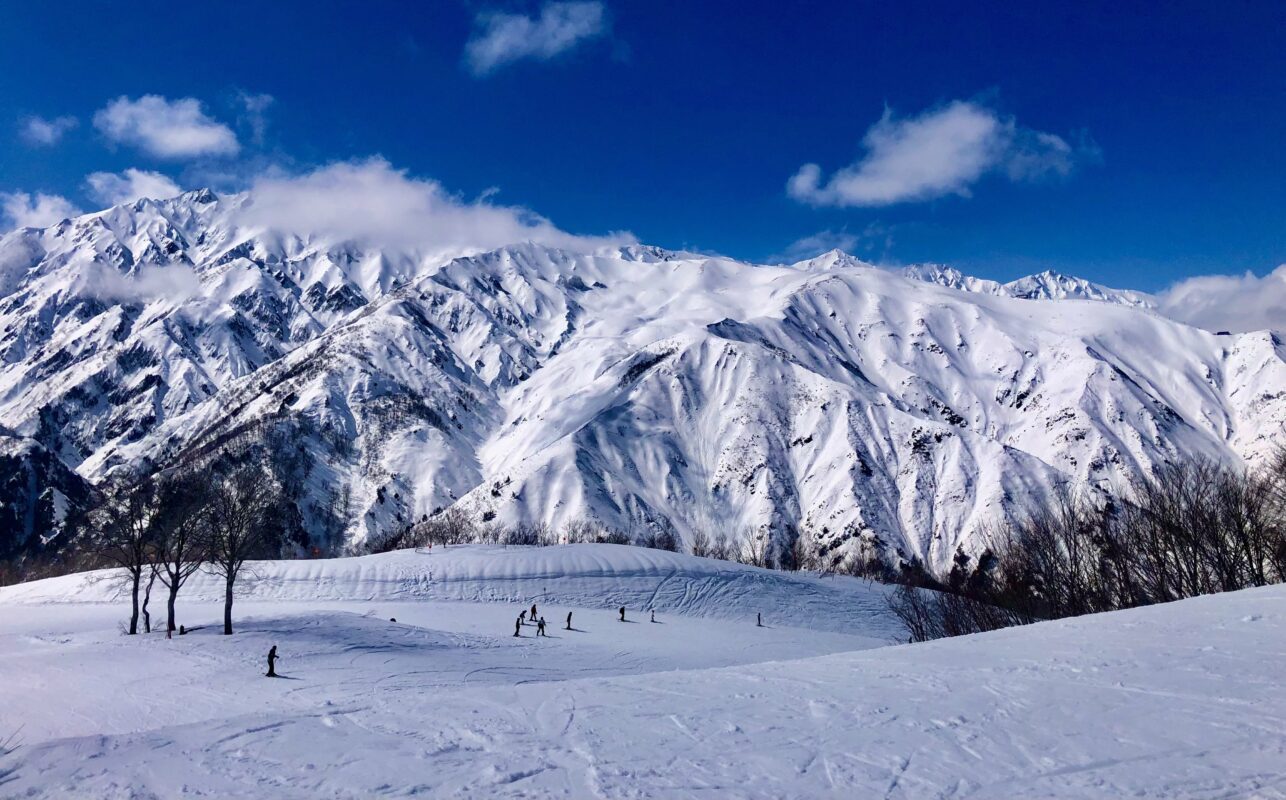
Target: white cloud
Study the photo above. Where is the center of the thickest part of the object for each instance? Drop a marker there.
(500, 38)
(22, 210)
(816, 244)
(1235, 303)
(148, 282)
(371, 202)
(126, 187)
(940, 152)
(874, 241)
(255, 108)
(165, 128)
(42, 132)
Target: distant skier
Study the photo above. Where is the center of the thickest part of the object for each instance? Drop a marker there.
(522, 617)
(759, 620)
(540, 627)
(622, 613)
(654, 615)
(518, 626)
(272, 662)
(533, 612)
(569, 620)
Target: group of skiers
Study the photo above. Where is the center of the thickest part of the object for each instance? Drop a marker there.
(536, 620)
(525, 617)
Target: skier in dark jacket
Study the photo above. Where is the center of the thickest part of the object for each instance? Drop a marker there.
(569, 620)
(272, 662)
(622, 613)
(522, 617)
(540, 627)
(518, 627)
(533, 612)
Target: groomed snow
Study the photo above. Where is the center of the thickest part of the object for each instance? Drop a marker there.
(1176, 701)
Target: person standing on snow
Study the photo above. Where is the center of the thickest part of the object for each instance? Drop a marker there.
(569, 620)
(272, 662)
(522, 617)
(622, 613)
(533, 612)
(540, 627)
(654, 615)
(518, 626)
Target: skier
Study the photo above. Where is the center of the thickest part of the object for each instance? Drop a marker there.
(540, 627)
(622, 613)
(522, 618)
(272, 662)
(654, 615)
(533, 612)
(759, 620)
(569, 620)
(518, 626)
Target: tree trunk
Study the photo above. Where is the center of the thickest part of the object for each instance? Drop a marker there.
(133, 620)
(227, 608)
(147, 598)
(169, 605)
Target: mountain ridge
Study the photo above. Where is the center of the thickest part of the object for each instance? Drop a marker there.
(899, 411)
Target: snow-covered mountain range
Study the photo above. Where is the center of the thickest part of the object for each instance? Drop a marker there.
(630, 385)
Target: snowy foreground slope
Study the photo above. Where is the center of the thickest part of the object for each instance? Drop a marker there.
(1178, 701)
(637, 387)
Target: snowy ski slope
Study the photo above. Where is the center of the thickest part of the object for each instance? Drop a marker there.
(1178, 701)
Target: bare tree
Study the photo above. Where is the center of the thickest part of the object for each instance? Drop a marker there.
(719, 548)
(699, 543)
(121, 528)
(179, 543)
(7, 747)
(237, 515)
(754, 548)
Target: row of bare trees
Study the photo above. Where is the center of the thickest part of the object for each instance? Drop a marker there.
(168, 527)
(1189, 529)
(455, 525)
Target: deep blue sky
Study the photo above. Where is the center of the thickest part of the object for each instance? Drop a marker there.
(684, 122)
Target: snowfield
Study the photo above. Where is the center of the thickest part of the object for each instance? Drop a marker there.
(1178, 701)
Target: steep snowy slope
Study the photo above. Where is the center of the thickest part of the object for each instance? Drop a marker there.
(638, 387)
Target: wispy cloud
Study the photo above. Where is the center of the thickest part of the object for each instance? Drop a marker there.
(41, 132)
(942, 151)
(115, 188)
(874, 240)
(165, 128)
(254, 108)
(147, 282)
(1235, 303)
(23, 210)
(501, 38)
(371, 202)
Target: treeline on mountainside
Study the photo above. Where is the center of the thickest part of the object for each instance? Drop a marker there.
(1189, 529)
(274, 447)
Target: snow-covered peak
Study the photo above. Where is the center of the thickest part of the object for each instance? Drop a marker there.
(835, 259)
(1050, 285)
(638, 387)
